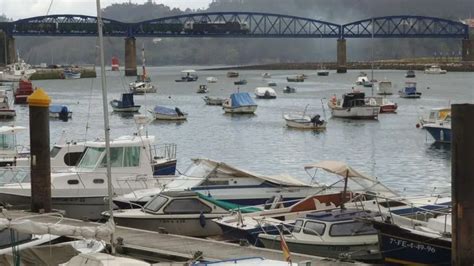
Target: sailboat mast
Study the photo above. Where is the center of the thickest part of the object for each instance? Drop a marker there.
(372, 60)
(106, 115)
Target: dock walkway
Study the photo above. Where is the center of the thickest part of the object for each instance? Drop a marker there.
(147, 244)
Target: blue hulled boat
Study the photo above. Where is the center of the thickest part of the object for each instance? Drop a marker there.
(440, 130)
(127, 104)
(409, 91)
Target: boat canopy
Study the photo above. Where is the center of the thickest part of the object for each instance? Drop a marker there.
(11, 129)
(202, 169)
(410, 90)
(57, 108)
(241, 99)
(127, 100)
(165, 110)
(262, 90)
(366, 183)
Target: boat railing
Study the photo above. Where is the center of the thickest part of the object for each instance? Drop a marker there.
(164, 151)
(14, 175)
(141, 178)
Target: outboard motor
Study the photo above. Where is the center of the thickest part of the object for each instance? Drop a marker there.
(64, 114)
(178, 111)
(267, 94)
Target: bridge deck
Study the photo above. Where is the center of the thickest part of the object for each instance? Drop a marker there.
(140, 242)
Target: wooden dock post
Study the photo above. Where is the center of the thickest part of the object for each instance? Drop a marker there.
(462, 175)
(40, 159)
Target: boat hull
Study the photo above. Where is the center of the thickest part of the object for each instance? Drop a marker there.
(58, 115)
(213, 101)
(390, 108)
(304, 124)
(241, 109)
(359, 112)
(72, 75)
(323, 73)
(266, 96)
(362, 252)
(192, 226)
(21, 99)
(401, 246)
(440, 134)
(158, 116)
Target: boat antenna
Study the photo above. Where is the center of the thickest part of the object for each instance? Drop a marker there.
(305, 109)
(106, 119)
(324, 110)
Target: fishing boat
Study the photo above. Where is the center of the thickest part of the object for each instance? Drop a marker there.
(409, 91)
(239, 103)
(266, 75)
(386, 106)
(142, 84)
(6, 112)
(440, 130)
(232, 74)
(178, 212)
(115, 63)
(211, 80)
(17, 71)
(202, 89)
(297, 78)
(384, 88)
(265, 93)
(362, 78)
(271, 84)
(60, 111)
(410, 74)
(435, 69)
(353, 105)
(418, 243)
(323, 72)
(240, 82)
(435, 114)
(126, 104)
(165, 113)
(81, 189)
(25, 89)
(222, 181)
(188, 76)
(289, 89)
(331, 234)
(305, 122)
(213, 100)
(70, 73)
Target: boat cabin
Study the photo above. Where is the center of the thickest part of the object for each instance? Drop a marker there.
(353, 99)
(8, 145)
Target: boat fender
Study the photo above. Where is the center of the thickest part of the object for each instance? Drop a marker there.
(202, 220)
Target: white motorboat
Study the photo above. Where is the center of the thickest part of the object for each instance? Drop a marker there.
(303, 121)
(70, 73)
(165, 113)
(141, 87)
(211, 80)
(266, 75)
(265, 93)
(225, 182)
(331, 234)
(188, 76)
(239, 103)
(80, 190)
(213, 100)
(384, 88)
(183, 213)
(435, 69)
(17, 71)
(6, 112)
(362, 79)
(353, 105)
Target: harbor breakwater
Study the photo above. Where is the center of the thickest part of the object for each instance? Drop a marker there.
(58, 73)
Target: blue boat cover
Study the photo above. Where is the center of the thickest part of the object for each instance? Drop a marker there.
(164, 110)
(410, 90)
(127, 100)
(241, 99)
(58, 108)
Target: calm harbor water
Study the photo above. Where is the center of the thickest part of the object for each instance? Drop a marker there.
(392, 148)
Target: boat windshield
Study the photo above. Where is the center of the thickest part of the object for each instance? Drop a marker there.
(123, 157)
(155, 204)
(7, 142)
(91, 157)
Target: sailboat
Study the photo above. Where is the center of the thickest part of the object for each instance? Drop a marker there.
(143, 83)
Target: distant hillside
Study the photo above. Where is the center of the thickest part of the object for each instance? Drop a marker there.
(177, 51)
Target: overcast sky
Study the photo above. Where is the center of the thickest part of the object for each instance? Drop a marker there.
(18, 9)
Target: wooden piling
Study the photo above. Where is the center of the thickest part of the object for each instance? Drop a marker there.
(462, 175)
(40, 159)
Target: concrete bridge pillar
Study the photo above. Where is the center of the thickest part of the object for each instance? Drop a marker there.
(3, 48)
(11, 51)
(130, 57)
(341, 56)
(467, 50)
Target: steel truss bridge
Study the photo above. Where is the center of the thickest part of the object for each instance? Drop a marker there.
(241, 25)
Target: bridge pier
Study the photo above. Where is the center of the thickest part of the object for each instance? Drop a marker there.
(467, 50)
(11, 51)
(3, 49)
(130, 57)
(341, 56)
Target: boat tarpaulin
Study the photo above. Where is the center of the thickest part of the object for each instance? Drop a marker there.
(164, 110)
(229, 205)
(241, 99)
(57, 108)
(367, 183)
(410, 90)
(127, 100)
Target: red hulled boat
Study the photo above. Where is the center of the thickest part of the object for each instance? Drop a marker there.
(25, 88)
